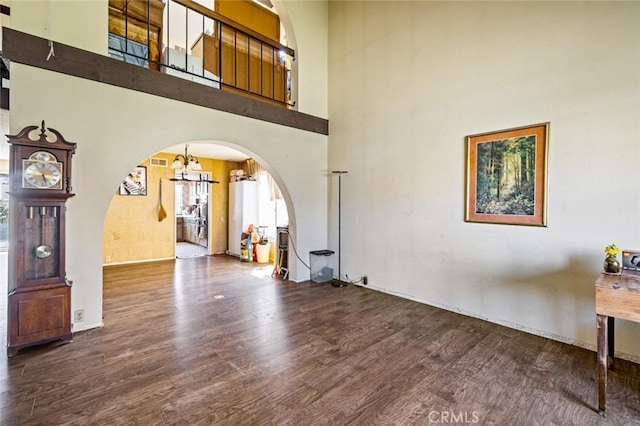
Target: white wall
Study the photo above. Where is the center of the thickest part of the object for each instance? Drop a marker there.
(80, 24)
(409, 80)
(306, 26)
(116, 128)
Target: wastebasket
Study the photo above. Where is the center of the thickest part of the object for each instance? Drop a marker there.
(320, 263)
(262, 253)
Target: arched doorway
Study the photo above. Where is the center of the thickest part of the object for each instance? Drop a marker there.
(134, 231)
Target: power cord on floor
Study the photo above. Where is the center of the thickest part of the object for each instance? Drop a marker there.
(356, 283)
(296, 251)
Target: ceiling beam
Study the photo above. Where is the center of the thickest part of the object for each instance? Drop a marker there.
(31, 50)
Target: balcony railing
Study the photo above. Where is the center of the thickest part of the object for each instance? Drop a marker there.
(187, 40)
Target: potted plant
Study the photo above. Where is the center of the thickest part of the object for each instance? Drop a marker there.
(611, 264)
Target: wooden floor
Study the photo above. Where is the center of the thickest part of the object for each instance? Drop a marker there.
(213, 340)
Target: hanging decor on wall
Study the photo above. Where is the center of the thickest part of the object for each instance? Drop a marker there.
(506, 180)
(135, 183)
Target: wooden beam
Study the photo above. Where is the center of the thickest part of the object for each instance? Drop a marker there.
(31, 50)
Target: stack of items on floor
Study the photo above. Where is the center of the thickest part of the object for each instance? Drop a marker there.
(238, 175)
(254, 245)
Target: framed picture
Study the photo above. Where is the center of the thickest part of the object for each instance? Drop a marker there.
(631, 261)
(135, 183)
(507, 176)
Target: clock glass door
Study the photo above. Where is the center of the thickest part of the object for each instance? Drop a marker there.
(42, 225)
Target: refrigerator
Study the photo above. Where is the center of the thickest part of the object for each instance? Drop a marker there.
(243, 211)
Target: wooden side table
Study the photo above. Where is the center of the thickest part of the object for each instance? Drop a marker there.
(617, 296)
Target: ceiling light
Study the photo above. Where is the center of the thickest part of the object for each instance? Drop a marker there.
(186, 162)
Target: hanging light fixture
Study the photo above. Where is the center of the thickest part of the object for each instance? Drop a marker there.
(186, 162)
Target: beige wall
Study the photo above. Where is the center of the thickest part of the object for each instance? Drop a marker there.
(57, 20)
(132, 232)
(305, 23)
(409, 80)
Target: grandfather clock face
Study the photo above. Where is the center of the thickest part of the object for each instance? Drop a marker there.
(42, 237)
(42, 170)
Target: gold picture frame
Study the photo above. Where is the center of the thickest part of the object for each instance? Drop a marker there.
(506, 176)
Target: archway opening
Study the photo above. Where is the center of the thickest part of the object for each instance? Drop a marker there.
(177, 214)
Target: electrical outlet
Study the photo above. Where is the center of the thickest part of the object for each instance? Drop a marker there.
(107, 259)
(365, 280)
(78, 316)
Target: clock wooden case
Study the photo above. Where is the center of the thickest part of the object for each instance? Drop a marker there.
(40, 185)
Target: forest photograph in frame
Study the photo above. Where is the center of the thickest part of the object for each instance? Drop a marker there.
(507, 176)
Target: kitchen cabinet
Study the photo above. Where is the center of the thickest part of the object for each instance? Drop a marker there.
(191, 231)
(179, 229)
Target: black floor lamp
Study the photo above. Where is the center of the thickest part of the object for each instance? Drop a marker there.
(338, 282)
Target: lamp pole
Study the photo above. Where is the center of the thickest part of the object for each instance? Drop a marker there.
(339, 282)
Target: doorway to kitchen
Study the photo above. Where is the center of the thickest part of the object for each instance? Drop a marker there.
(192, 214)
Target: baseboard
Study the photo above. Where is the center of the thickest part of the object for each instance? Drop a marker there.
(131, 262)
(508, 324)
(83, 327)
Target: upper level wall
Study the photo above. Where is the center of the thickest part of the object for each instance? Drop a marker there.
(5, 21)
(84, 24)
(81, 24)
(306, 23)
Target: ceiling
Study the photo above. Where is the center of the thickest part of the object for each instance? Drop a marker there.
(209, 150)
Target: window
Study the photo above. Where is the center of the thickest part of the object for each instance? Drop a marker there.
(136, 53)
(272, 209)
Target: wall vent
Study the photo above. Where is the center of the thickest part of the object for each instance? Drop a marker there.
(159, 162)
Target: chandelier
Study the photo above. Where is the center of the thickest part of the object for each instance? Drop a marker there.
(186, 162)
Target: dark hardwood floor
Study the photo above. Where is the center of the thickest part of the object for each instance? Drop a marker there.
(213, 340)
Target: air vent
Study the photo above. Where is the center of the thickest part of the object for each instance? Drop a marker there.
(159, 162)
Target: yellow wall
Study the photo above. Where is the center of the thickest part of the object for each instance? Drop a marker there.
(132, 232)
(4, 167)
(219, 202)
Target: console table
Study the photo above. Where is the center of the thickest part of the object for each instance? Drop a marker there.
(617, 296)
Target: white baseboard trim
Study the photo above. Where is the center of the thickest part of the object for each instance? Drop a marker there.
(131, 262)
(83, 327)
(508, 324)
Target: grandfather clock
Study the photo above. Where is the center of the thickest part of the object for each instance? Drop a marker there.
(39, 308)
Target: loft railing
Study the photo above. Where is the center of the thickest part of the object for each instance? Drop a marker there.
(187, 40)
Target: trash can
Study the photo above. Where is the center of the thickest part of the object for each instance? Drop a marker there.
(262, 252)
(320, 263)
